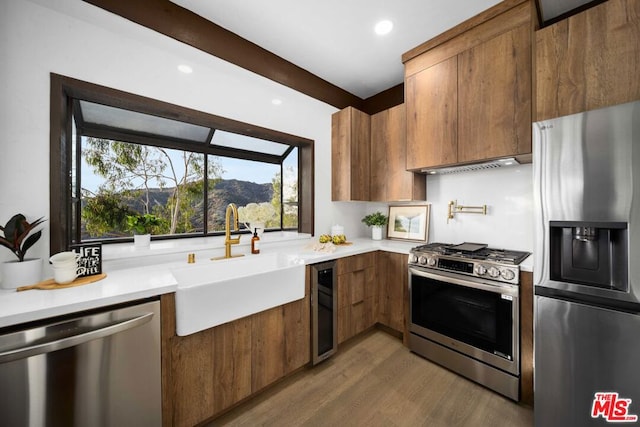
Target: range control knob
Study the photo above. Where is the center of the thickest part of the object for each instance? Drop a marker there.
(493, 272)
(507, 274)
(480, 269)
(413, 258)
(431, 262)
(422, 260)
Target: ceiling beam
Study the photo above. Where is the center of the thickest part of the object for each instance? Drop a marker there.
(185, 26)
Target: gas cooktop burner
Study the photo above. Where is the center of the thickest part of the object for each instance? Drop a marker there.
(474, 251)
(471, 259)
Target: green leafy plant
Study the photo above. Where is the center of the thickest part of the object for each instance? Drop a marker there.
(16, 235)
(143, 224)
(375, 219)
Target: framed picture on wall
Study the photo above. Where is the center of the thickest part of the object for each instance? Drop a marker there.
(409, 222)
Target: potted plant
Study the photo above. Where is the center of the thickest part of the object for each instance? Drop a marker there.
(19, 237)
(376, 221)
(142, 226)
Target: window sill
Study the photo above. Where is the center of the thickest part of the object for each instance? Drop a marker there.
(126, 255)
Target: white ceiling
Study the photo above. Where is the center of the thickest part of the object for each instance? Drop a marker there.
(334, 39)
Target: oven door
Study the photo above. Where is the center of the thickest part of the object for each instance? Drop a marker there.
(471, 316)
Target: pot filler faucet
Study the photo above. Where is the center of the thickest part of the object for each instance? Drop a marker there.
(232, 209)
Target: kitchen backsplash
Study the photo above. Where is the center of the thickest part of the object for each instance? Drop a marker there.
(508, 194)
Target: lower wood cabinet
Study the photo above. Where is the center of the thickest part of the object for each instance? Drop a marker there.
(357, 295)
(392, 290)
(205, 373)
(209, 371)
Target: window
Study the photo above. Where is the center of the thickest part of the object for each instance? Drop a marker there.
(114, 154)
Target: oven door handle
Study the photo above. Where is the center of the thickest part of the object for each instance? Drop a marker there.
(497, 288)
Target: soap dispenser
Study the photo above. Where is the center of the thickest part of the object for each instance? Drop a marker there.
(255, 242)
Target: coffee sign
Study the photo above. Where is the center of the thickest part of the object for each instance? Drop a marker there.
(90, 258)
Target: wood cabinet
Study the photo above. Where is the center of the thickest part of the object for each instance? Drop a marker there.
(469, 97)
(207, 372)
(267, 349)
(589, 60)
(350, 155)
(494, 97)
(357, 295)
(431, 97)
(393, 294)
(390, 179)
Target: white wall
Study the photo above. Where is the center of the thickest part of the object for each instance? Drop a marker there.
(75, 39)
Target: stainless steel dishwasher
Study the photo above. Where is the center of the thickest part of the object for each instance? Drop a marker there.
(96, 368)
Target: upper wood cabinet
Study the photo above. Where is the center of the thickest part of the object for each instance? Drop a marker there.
(390, 179)
(588, 61)
(494, 97)
(350, 155)
(468, 93)
(368, 157)
(431, 97)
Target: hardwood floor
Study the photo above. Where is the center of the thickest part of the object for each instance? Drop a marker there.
(375, 381)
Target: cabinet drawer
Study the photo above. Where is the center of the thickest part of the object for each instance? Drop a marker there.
(355, 263)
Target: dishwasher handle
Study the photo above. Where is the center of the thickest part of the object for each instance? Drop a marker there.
(59, 344)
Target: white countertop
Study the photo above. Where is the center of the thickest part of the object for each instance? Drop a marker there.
(133, 283)
(125, 283)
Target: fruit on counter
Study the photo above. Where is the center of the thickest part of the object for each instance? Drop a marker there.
(325, 238)
(339, 239)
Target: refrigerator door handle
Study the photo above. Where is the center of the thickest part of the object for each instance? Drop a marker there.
(74, 340)
(540, 137)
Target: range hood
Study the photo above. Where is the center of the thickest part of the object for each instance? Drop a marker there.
(492, 164)
(551, 11)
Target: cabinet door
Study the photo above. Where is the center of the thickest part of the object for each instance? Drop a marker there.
(432, 109)
(392, 276)
(191, 386)
(267, 358)
(203, 373)
(297, 332)
(390, 179)
(232, 363)
(494, 94)
(589, 60)
(350, 140)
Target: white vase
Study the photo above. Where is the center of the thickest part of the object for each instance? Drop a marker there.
(142, 240)
(376, 232)
(15, 273)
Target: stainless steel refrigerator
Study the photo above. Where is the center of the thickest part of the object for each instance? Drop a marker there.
(587, 268)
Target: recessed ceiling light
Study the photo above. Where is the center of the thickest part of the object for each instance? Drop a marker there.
(384, 27)
(276, 101)
(185, 69)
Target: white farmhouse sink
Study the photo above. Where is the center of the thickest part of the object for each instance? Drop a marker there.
(216, 292)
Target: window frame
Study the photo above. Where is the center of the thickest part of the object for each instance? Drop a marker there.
(65, 90)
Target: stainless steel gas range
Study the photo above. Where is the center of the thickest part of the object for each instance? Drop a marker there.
(464, 311)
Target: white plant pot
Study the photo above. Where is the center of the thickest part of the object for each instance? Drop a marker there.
(15, 273)
(142, 240)
(376, 232)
